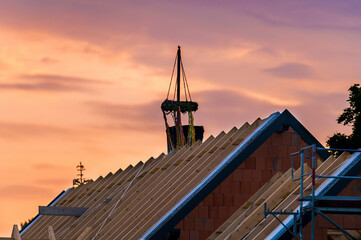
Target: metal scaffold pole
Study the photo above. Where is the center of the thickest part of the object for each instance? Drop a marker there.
(321, 200)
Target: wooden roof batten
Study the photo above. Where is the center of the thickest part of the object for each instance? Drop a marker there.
(160, 186)
(209, 162)
(272, 124)
(173, 216)
(330, 187)
(287, 198)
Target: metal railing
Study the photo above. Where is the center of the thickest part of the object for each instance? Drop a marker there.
(307, 203)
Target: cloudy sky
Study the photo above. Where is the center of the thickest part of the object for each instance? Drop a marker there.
(83, 80)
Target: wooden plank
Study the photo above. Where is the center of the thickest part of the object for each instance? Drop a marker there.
(292, 197)
(75, 199)
(15, 233)
(96, 201)
(291, 202)
(355, 233)
(84, 233)
(99, 197)
(277, 180)
(184, 184)
(38, 229)
(98, 217)
(135, 201)
(144, 184)
(51, 233)
(193, 178)
(62, 211)
(79, 199)
(242, 209)
(273, 196)
(329, 166)
(166, 197)
(138, 203)
(85, 195)
(336, 235)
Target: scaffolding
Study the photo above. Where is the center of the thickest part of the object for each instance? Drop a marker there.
(317, 203)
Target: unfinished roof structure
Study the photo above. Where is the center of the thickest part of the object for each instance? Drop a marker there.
(199, 192)
(283, 194)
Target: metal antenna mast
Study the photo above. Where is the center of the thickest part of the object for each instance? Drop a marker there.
(80, 168)
(77, 181)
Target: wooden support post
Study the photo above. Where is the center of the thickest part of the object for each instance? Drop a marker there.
(15, 234)
(51, 233)
(82, 235)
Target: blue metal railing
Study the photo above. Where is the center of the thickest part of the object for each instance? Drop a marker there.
(309, 202)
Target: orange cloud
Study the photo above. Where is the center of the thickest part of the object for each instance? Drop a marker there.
(53, 181)
(25, 192)
(52, 83)
(83, 81)
(46, 166)
(16, 131)
(292, 71)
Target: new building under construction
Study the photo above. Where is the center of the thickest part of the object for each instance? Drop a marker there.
(267, 179)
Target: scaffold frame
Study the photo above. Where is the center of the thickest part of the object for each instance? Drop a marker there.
(309, 204)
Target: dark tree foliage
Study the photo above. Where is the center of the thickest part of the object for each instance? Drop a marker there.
(25, 224)
(350, 116)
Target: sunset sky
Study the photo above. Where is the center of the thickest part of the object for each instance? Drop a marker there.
(83, 80)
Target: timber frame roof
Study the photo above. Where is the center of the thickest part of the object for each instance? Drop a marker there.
(281, 193)
(146, 201)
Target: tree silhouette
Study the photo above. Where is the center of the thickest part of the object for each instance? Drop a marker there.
(25, 223)
(350, 116)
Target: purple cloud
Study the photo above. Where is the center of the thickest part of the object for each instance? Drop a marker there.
(48, 60)
(141, 117)
(61, 79)
(292, 70)
(218, 110)
(52, 83)
(223, 109)
(53, 87)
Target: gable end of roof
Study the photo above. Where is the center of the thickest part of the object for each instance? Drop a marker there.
(274, 123)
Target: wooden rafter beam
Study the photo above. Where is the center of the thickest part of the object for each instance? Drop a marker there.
(62, 211)
(15, 233)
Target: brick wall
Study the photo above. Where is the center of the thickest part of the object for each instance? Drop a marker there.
(218, 206)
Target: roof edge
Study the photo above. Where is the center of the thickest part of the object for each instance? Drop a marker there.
(55, 200)
(331, 187)
(225, 168)
(290, 120)
(274, 123)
